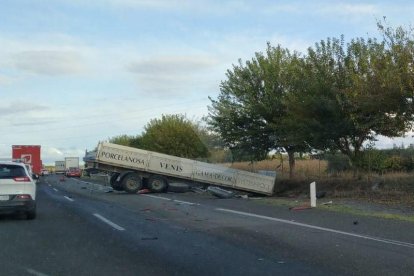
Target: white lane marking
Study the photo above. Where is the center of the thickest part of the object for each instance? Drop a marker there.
(34, 272)
(81, 181)
(68, 198)
(107, 221)
(56, 190)
(175, 200)
(159, 197)
(394, 242)
(185, 202)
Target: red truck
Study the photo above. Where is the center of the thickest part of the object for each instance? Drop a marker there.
(30, 154)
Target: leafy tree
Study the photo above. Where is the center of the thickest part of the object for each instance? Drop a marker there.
(175, 135)
(355, 91)
(126, 140)
(250, 112)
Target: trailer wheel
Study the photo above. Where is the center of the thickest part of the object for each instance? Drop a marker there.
(115, 184)
(132, 183)
(157, 184)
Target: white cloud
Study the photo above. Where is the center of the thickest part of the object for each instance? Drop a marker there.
(172, 65)
(172, 74)
(49, 62)
(347, 9)
(20, 107)
(5, 80)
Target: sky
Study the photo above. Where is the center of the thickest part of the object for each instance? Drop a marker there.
(76, 72)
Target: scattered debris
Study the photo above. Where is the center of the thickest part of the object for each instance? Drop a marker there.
(280, 262)
(242, 196)
(198, 190)
(219, 192)
(320, 194)
(355, 222)
(177, 187)
(149, 239)
(300, 208)
(146, 210)
(327, 203)
(150, 219)
(144, 191)
(260, 259)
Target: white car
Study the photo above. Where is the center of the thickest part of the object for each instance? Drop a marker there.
(17, 189)
(45, 172)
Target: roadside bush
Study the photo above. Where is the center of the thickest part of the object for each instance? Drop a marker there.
(337, 163)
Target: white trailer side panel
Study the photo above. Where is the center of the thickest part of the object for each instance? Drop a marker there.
(122, 156)
(210, 173)
(170, 165)
(132, 158)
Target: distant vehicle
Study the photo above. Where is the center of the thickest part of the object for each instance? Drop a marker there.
(71, 162)
(17, 189)
(73, 172)
(30, 154)
(131, 168)
(45, 172)
(60, 167)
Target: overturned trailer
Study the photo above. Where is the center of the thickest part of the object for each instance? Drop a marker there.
(132, 168)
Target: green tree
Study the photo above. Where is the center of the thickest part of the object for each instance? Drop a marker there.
(250, 113)
(126, 140)
(355, 91)
(175, 135)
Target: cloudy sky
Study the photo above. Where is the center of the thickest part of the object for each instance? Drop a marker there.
(74, 72)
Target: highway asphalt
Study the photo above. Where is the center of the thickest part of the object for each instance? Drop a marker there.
(83, 230)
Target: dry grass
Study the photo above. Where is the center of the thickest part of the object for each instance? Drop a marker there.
(387, 188)
(304, 168)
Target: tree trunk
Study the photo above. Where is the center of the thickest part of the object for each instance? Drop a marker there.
(291, 155)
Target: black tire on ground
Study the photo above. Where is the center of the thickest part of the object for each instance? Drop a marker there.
(30, 215)
(115, 184)
(178, 187)
(220, 193)
(132, 183)
(157, 184)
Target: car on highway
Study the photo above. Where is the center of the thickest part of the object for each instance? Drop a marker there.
(17, 190)
(45, 172)
(73, 172)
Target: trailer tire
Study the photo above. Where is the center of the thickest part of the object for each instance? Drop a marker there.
(132, 183)
(177, 187)
(114, 183)
(220, 193)
(157, 184)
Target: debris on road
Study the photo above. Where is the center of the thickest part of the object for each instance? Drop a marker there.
(320, 194)
(242, 196)
(198, 190)
(149, 239)
(327, 203)
(146, 210)
(144, 191)
(220, 193)
(300, 208)
(178, 187)
(355, 222)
